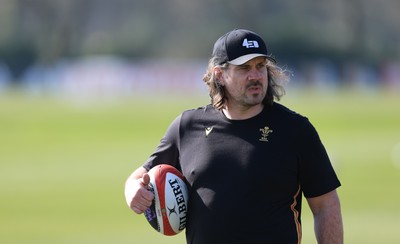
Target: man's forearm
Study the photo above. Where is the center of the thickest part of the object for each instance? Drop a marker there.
(328, 226)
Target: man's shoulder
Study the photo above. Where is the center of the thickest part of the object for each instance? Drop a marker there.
(288, 116)
(282, 110)
(200, 111)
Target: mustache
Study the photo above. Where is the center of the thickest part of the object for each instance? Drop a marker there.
(254, 83)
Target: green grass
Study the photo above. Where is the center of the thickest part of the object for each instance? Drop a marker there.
(63, 164)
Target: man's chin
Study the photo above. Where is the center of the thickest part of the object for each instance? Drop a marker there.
(255, 98)
(254, 102)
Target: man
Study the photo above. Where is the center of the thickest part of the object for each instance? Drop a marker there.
(248, 159)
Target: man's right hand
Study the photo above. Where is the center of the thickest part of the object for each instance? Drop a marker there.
(137, 195)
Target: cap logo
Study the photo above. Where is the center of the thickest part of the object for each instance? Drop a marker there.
(250, 44)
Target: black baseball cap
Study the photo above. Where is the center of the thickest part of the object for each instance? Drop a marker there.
(239, 46)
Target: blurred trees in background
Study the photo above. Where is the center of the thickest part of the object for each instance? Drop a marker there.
(44, 31)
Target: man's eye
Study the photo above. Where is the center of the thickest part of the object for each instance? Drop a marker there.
(262, 66)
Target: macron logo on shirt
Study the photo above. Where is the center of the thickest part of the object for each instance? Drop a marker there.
(250, 44)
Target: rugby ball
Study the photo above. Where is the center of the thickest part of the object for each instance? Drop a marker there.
(167, 213)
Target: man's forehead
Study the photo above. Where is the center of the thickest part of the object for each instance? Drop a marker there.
(255, 60)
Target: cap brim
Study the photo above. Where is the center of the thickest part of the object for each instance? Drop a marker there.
(243, 59)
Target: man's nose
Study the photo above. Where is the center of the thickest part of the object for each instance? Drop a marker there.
(255, 74)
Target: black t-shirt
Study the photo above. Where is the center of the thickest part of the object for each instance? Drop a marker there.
(246, 177)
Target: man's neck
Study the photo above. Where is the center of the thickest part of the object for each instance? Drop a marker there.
(242, 113)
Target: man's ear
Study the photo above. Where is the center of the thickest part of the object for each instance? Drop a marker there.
(218, 73)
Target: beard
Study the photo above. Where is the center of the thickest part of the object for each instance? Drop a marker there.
(251, 98)
(252, 94)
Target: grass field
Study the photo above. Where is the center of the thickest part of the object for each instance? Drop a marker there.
(63, 164)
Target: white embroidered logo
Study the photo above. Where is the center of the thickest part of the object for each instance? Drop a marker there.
(208, 130)
(250, 44)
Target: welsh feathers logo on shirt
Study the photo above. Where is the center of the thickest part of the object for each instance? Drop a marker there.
(264, 133)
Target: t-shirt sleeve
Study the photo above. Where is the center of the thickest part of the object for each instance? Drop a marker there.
(167, 151)
(317, 175)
